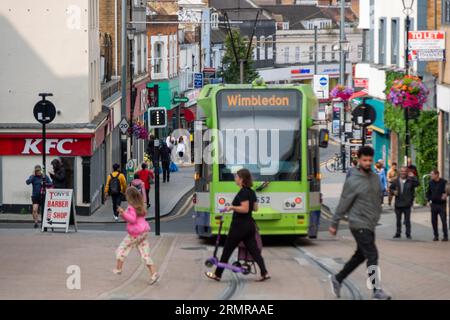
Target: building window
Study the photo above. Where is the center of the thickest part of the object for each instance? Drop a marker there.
(382, 41)
(446, 12)
(297, 54)
(269, 48)
(286, 25)
(311, 53)
(395, 30)
(333, 55)
(366, 46)
(157, 57)
(286, 55)
(255, 49)
(262, 48)
(324, 50)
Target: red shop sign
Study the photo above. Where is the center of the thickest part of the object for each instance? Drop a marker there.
(56, 145)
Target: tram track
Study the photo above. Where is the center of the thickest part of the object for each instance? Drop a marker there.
(355, 294)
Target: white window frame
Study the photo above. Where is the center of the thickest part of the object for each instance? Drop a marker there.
(262, 48)
(269, 46)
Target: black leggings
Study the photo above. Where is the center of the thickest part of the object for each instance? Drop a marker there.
(242, 230)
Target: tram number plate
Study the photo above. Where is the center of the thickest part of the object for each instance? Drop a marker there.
(263, 199)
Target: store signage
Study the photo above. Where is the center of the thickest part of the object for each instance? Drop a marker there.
(430, 55)
(426, 40)
(198, 80)
(300, 71)
(361, 83)
(59, 210)
(56, 145)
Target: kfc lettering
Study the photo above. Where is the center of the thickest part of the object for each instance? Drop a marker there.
(56, 145)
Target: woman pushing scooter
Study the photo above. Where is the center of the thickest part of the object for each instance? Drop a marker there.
(243, 227)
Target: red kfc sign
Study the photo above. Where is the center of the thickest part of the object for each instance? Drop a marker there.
(56, 144)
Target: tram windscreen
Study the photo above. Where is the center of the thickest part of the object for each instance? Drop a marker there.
(260, 129)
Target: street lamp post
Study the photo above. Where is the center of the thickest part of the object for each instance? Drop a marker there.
(407, 9)
(130, 34)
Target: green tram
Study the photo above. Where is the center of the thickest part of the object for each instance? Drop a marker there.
(269, 130)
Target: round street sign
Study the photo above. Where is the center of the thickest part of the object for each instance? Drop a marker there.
(323, 81)
(364, 115)
(44, 111)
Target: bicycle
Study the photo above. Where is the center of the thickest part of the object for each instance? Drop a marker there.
(334, 164)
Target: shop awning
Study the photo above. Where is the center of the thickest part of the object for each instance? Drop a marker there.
(359, 94)
(189, 115)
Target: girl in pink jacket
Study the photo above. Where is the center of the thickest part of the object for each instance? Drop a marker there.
(138, 229)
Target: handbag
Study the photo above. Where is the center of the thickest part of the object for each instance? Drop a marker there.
(173, 167)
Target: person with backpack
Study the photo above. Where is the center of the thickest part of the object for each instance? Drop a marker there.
(165, 155)
(147, 176)
(116, 185)
(139, 185)
(36, 197)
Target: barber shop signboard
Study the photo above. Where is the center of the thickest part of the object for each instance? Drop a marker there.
(59, 210)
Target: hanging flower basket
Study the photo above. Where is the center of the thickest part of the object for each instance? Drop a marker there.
(408, 92)
(342, 92)
(138, 130)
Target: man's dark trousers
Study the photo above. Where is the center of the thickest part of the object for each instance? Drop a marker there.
(439, 209)
(398, 213)
(366, 250)
(116, 201)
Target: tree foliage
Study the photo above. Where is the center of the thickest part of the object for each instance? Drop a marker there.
(231, 67)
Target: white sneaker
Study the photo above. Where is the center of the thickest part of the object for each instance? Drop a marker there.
(117, 271)
(155, 277)
(116, 219)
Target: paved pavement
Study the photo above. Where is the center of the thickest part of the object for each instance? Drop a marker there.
(180, 184)
(34, 264)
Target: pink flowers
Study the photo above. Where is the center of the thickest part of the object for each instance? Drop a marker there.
(342, 92)
(409, 92)
(139, 131)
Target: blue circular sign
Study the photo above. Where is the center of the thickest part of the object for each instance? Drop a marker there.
(323, 81)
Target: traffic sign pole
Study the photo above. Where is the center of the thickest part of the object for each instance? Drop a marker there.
(44, 112)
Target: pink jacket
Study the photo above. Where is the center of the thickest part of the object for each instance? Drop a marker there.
(138, 182)
(136, 225)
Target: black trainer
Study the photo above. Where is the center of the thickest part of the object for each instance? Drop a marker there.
(335, 286)
(397, 236)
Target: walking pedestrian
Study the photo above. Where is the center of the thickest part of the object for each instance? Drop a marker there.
(412, 167)
(181, 149)
(151, 148)
(36, 194)
(392, 176)
(170, 141)
(243, 227)
(147, 176)
(382, 176)
(360, 201)
(165, 155)
(437, 197)
(116, 185)
(140, 186)
(58, 175)
(137, 233)
(403, 187)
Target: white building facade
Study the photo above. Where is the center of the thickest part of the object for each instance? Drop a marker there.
(51, 46)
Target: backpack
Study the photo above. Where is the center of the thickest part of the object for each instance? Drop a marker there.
(138, 187)
(114, 185)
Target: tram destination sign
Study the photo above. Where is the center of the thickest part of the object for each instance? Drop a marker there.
(241, 100)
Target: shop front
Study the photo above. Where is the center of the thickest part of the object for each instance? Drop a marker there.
(83, 156)
(167, 91)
